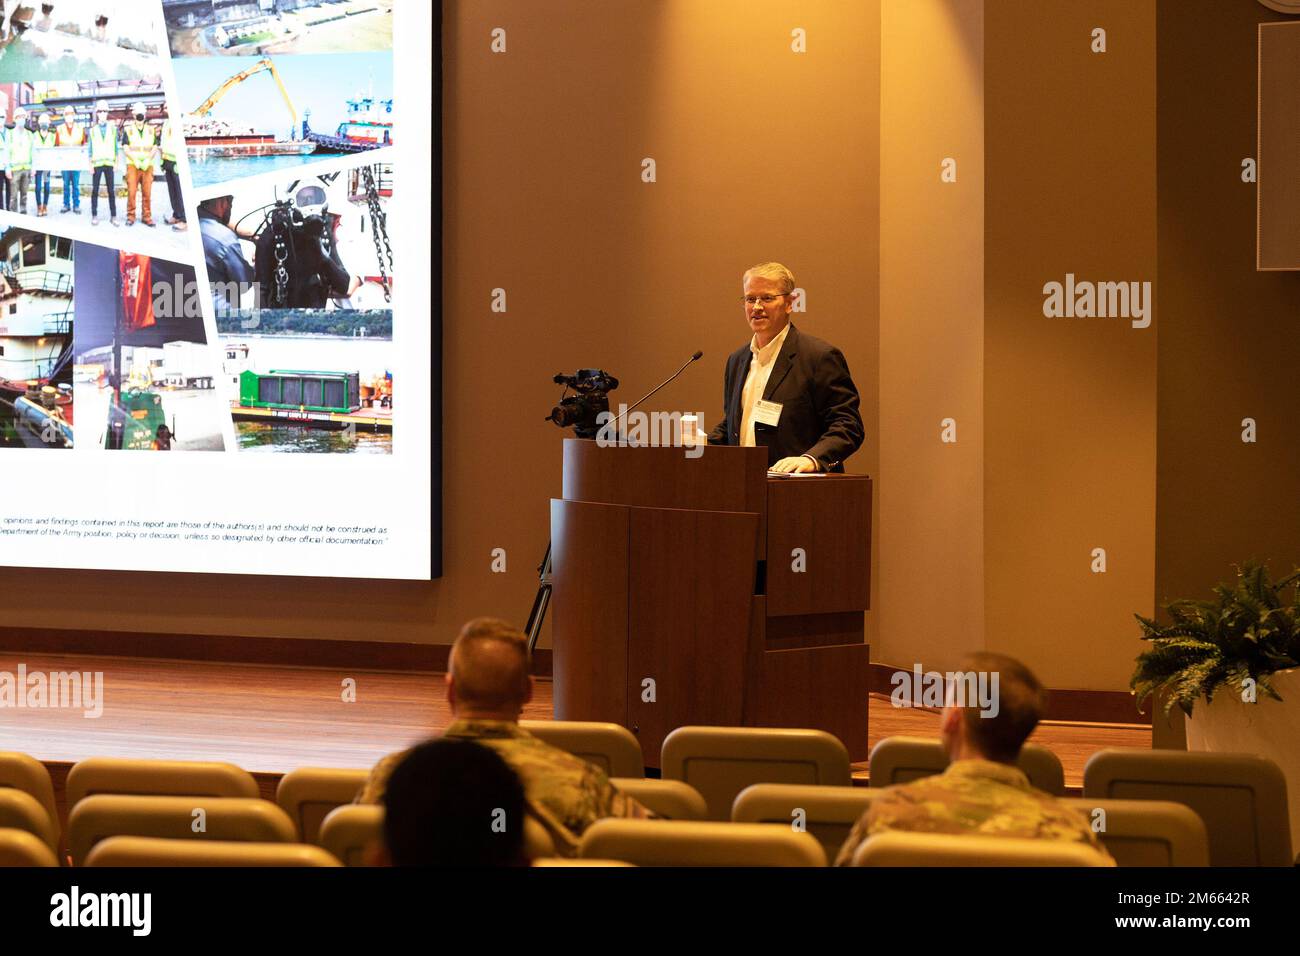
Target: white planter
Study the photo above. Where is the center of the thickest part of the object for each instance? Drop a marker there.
(1266, 728)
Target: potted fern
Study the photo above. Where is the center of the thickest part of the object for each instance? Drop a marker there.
(1233, 666)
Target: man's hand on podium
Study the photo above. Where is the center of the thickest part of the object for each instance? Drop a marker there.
(796, 465)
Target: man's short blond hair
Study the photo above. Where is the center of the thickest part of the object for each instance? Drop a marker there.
(771, 270)
(489, 664)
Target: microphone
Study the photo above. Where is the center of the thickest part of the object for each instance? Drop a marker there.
(612, 424)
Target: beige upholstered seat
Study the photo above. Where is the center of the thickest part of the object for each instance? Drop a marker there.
(719, 762)
(900, 848)
(1241, 798)
(610, 747)
(1146, 832)
(22, 772)
(157, 778)
(20, 848)
(349, 832)
(699, 843)
(309, 793)
(828, 813)
(902, 759)
(562, 861)
(155, 851)
(222, 818)
(670, 799)
(21, 811)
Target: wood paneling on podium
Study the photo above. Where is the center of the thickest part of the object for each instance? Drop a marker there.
(666, 614)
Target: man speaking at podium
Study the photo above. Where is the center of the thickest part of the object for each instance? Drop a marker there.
(785, 389)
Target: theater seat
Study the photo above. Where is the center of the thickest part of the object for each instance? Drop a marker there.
(669, 799)
(699, 843)
(349, 832)
(899, 848)
(562, 861)
(308, 794)
(1241, 798)
(157, 778)
(1146, 832)
(901, 759)
(611, 747)
(719, 762)
(21, 811)
(100, 816)
(20, 771)
(828, 813)
(20, 848)
(153, 851)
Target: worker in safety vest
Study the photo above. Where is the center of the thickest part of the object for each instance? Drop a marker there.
(103, 160)
(5, 130)
(71, 133)
(171, 144)
(44, 137)
(141, 147)
(21, 142)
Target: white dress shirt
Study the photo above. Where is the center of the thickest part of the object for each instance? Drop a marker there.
(761, 363)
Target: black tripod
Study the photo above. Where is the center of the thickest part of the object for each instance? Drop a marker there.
(540, 603)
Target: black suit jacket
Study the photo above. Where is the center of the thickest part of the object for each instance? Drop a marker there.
(819, 414)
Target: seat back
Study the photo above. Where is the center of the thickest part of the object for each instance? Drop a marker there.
(20, 771)
(699, 843)
(719, 762)
(308, 794)
(97, 817)
(156, 851)
(349, 832)
(21, 811)
(1241, 798)
(828, 813)
(20, 848)
(901, 848)
(902, 759)
(670, 799)
(187, 778)
(1146, 832)
(611, 747)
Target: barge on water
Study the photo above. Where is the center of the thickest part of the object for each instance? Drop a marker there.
(312, 399)
(243, 146)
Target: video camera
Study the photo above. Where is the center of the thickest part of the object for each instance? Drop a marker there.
(583, 410)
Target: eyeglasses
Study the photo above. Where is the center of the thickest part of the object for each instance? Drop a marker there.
(765, 299)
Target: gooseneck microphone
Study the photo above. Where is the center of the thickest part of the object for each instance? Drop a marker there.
(612, 424)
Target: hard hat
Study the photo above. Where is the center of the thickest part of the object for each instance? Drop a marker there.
(69, 109)
(138, 107)
(44, 118)
(101, 106)
(20, 111)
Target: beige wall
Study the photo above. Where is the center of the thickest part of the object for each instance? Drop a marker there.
(1233, 353)
(931, 493)
(1069, 403)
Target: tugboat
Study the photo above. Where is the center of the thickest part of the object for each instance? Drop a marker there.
(368, 125)
(36, 337)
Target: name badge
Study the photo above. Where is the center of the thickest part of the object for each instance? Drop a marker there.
(767, 413)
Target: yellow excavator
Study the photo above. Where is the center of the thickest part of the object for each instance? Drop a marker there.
(205, 108)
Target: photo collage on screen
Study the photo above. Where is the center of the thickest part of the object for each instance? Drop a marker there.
(194, 241)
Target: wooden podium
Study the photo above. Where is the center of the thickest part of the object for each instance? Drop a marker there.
(700, 591)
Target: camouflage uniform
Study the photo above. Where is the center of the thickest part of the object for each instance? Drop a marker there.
(971, 796)
(563, 792)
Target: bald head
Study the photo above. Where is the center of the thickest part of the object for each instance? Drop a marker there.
(488, 671)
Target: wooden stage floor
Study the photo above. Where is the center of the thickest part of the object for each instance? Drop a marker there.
(271, 719)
